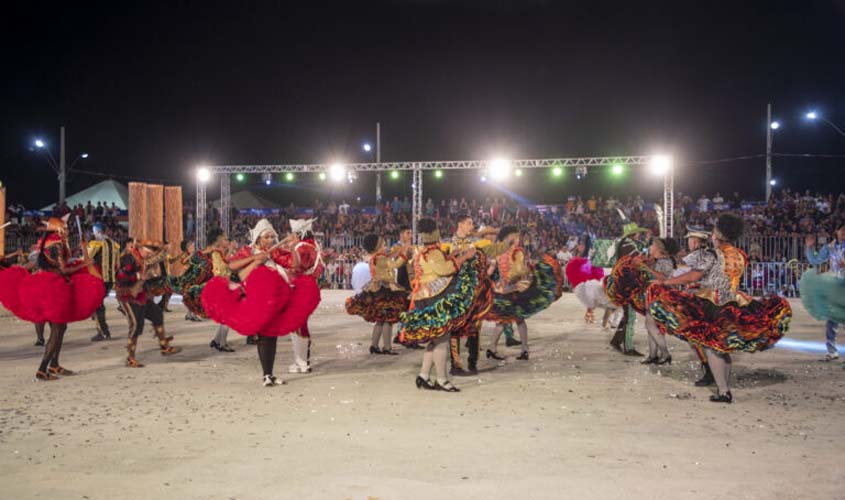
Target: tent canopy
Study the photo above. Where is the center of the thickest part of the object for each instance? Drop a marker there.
(243, 200)
(107, 191)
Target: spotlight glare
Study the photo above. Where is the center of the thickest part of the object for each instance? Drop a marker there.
(812, 115)
(39, 143)
(289, 176)
(322, 176)
(773, 182)
(267, 178)
(203, 174)
(84, 155)
(557, 171)
(499, 169)
(438, 174)
(775, 125)
(337, 172)
(367, 147)
(617, 169)
(240, 177)
(518, 172)
(394, 174)
(483, 178)
(660, 164)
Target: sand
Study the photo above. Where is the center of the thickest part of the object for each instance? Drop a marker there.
(576, 421)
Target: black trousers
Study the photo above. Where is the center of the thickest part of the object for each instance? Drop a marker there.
(137, 313)
(100, 314)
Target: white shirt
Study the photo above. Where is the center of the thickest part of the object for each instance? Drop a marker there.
(360, 276)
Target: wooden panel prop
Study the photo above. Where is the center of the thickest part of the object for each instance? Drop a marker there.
(155, 212)
(173, 232)
(138, 210)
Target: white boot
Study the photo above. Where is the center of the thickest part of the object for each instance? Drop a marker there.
(301, 354)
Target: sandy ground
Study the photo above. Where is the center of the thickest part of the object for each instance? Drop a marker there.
(576, 421)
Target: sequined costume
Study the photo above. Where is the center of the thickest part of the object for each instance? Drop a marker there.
(383, 299)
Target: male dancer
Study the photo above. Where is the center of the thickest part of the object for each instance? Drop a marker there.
(133, 295)
(463, 240)
(105, 253)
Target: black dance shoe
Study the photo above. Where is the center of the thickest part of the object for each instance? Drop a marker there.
(633, 352)
(494, 355)
(389, 352)
(100, 336)
(651, 360)
(458, 372)
(664, 361)
(374, 350)
(423, 384)
(523, 356)
(39, 342)
(446, 387)
(722, 398)
(707, 379)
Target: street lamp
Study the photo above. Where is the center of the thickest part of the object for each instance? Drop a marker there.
(812, 115)
(775, 125)
(367, 147)
(39, 143)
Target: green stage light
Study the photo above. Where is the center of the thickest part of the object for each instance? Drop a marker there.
(617, 169)
(240, 177)
(438, 174)
(394, 174)
(322, 176)
(518, 172)
(557, 171)
(289, 176)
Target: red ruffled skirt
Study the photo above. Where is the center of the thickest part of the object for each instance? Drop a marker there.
(47, 297)
(265, 304)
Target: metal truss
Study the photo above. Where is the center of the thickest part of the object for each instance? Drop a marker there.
(417, 168)
(596, 161)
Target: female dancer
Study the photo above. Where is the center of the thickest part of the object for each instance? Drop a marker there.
(60, 292)
(382, 299)
(823, 295)
(521, 291)
(442, 301)
(718, 316)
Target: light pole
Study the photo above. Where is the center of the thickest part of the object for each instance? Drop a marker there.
(368, 148)
(770, 129)
(60, 167)
(812, 115)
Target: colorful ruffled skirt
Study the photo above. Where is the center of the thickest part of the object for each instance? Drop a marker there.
(455, 310)
(264, 304)
(823, 295)
(545, 288)
(192, 282)
(382, 306)
(50, 297)
(745, 325)
(627, 283)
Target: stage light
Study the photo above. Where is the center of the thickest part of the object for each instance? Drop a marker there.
(660, 164)
(775, 125)
(557, 171)
(499, 169)
(367, 147)
(240, 177)
(518, 172)
(438, 174)
(322, 176)
(203, 174)
(352, 176)
(289, 177)
(811, 115)
(39, 143)
(617, 169)
(483, 178)
(83, 155)
(337, 172)
(394, 174)
(580, 172)
(773, 182)
(267, 178)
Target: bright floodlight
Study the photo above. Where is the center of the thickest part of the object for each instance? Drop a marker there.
(39, 143)
(499, 169)
(203, 174)
(394, 174)
(83, 155)
(289, 176)
(773, 182)
(337, 172)
(367, 147)
(775, 125)
(660, 164)
(617, 169)
(483, 178)
(322, 176)
(240, 177)
(438, 174)
(557, 171)
(812, 115)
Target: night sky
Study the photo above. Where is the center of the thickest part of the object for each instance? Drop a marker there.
(151, 90)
